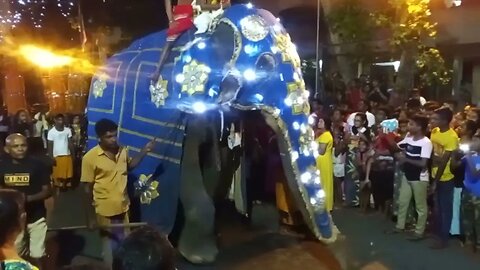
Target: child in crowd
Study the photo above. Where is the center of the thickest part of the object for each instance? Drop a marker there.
(470, 208)
(359, 131)
(339, 156)
(363, 157)
(381, 166)
(60, 148)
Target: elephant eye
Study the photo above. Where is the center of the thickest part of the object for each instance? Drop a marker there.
(266, 63)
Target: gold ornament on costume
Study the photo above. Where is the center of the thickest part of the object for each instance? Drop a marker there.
(254, 28)
(287, 49)
(147, 188)
(195, 77)
(99, 85)
(298, 97)
(159, 92)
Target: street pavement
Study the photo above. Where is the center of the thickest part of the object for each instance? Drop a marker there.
(242, 247)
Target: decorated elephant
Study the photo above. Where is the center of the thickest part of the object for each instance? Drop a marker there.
(238, 59)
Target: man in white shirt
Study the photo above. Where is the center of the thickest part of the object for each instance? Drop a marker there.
(60, 149)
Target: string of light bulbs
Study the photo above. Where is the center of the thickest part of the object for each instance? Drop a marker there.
(13, 12)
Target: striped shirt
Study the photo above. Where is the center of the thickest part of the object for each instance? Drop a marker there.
(415, 150)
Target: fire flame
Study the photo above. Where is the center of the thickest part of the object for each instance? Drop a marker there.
(45, 58)
(49, 59)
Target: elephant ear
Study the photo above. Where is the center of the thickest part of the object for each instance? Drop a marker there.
(226, 40)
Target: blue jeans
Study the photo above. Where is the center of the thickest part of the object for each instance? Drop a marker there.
(444, 208)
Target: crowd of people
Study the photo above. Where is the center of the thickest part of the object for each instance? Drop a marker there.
(26, 179)
(415, 161)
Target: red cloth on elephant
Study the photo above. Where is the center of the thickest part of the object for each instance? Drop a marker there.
(182, 21)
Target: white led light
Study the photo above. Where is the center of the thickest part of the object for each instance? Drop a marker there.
(276, 112)
(249, 5)
(199, 107)
(303, 128)
(249, 49)
(249, 75)
(320, 194)
(294, 156)
(179, 78)
(259, 97)
(313, 201)
(201, 45)
(187, 58)
(305, 177)
(288, 102)
(296, 77)
(296, 125)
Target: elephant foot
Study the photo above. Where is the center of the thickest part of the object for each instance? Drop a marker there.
(198, 251)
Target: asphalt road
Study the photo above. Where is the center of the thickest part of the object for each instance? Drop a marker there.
(260, 247)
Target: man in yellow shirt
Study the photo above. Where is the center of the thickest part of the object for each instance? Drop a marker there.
(445, 141)
(104, 175)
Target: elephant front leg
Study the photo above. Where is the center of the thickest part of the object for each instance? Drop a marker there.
(197, 241)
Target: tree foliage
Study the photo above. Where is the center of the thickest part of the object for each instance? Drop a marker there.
(411, 29)
(353, 25)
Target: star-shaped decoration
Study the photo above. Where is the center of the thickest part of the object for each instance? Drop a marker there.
(298, 96)
(287, 49)
(147, 188)
(159, 92)
(99, 85)
(195, 77)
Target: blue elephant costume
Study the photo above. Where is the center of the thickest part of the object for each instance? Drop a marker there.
(244, 60)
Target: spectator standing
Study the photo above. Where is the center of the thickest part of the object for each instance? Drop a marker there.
(60, 149)
(104, 174)
(465, 131)
(354, 95)
(445, 141)
(359, 131)
(22, 124)
(12, 222)
(41, 125)
(416, 150)
(471, 196)
(20, 172)
(325, 159)
(4, 126)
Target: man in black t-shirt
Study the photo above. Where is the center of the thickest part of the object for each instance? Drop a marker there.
(20, 172)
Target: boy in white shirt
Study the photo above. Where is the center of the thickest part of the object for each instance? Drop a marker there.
(60, 149)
